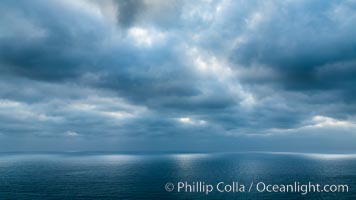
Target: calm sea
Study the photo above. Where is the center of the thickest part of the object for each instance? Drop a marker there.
(144, 176)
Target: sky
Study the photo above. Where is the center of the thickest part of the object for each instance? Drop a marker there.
(156, 75)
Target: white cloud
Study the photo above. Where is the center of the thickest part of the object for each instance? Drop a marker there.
(71, 134)
(190, 121)
(318, 125)
(323, 121)
(146, 37)
(19, 110)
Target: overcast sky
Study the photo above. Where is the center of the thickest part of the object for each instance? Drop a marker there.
(178, 75)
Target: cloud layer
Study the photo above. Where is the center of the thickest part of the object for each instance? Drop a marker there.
(178, 75)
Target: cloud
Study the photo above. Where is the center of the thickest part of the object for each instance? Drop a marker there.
(298, 40)
(242, 75)
(71, 134)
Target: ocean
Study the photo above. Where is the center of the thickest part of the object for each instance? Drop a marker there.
(120, 175)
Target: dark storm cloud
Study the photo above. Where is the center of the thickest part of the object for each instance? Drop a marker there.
(203, 74)
(41, 42)
(68, 48)
(128, 12)
(298, 40)
(161, 13)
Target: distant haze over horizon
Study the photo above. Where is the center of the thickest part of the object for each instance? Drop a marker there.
(150, 75)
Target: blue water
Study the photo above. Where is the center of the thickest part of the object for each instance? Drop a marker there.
(143, 176)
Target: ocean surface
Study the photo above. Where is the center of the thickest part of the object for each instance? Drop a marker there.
(144, 176)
